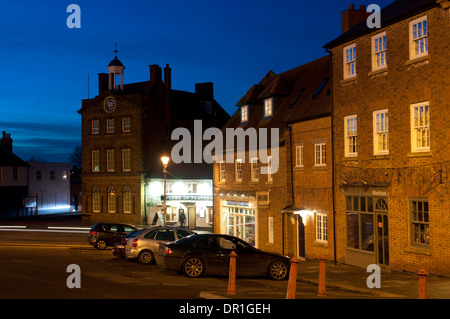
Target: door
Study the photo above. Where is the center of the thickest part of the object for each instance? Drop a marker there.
(191, 217)
(248, 260)
(301, 237)
(382, 239)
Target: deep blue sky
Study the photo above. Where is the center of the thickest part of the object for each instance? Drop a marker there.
(45, 65)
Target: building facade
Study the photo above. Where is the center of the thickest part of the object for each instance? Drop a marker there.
(126, 129)
(253, 199)
(390, 121)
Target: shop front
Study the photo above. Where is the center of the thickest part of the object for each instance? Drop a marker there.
(189, 203)
(238, 217)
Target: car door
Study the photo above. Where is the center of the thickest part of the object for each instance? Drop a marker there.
(247, 260)
(164, 235)
(206, 248)
(149, 242)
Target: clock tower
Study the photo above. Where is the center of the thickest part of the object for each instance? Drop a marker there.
(115, 68)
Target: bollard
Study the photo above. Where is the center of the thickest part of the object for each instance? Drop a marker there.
(232, 274)
(322, 278)
(292, 283)
(423, 284)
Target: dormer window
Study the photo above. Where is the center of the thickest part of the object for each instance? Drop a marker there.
(268, 107)
(244, 113)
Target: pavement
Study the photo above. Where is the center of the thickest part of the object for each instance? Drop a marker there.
(342, 281)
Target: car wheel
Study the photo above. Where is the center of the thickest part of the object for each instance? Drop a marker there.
(278, 270)
(146, 257)
(100, 244)
(193, 267)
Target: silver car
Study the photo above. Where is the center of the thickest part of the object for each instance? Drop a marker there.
(144, 245)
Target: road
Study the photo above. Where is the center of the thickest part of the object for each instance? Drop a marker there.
(34, 265)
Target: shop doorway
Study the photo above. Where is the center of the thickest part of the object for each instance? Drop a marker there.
(381, 233)
(192, 218)
(301, 237)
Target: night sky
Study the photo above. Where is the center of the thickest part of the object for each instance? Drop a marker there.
(46, 66)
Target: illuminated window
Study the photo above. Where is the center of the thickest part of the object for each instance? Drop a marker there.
(126, 160)
(268, 107)
(320, 154)
(222, 171)
(95, 200)
(126, 125)
(420, 223)
(418, 37)
(95, 127)
(110, 125)
(379, 51)
(127, 201)
(244, 113)
(96, 161)
(321, 228)
(350, 61)
(299, 156)
(380, 132)
(111, 200)
(254, 170)
(351, 135)
(420, 127)
(238, 170)
(110, 160)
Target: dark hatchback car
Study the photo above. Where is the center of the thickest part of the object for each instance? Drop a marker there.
(210, 254)
(103, 235)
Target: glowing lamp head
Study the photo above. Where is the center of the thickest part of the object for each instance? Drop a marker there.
(165, 160)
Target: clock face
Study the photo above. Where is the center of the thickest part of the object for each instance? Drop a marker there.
(110, 104)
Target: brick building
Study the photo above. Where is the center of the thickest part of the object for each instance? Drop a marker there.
(390, 123)
(259, 206)
(126, 129)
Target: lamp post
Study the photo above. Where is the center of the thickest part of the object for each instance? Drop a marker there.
(165, 162)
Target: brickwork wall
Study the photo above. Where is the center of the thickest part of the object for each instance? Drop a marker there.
(313, 184)
(409, 175)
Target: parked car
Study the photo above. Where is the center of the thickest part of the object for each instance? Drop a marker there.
(145, 244)
(209, 254)
(119, 248)
(103, 235)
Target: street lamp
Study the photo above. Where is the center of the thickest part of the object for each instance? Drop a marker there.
(165, 162)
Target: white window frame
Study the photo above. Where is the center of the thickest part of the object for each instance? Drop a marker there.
(269, 169)
(321, 227)
(349, 59)
(351, 135)
(320, 154)
(268, 107)
(110, 126)
(126, 127)
(127, 201)
(254, 168)
(381, 132)
(112, 201)
(95, 127)
(110, 160)
(420, 126)
(95, 200)
(379, 51)
(126, 160)
(238, 170)
(95, 158)
(299, 156)
(244, 113)
(222, 171)
(418, 37)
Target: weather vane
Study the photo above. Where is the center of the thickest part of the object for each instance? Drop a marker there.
(115, 49)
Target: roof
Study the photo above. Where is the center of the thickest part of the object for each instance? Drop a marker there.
(10, 159)
(300, 94)
(115, 62)
(396, 11)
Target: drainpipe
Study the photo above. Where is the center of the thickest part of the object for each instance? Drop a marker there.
(332, 155)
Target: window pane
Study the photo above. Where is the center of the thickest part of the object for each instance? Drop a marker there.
(352, 230)
(367, 232)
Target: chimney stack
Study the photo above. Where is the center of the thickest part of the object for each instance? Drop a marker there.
(102, 82)
(6, 142)
(155, 74)
(167, 77)
(352, 17)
